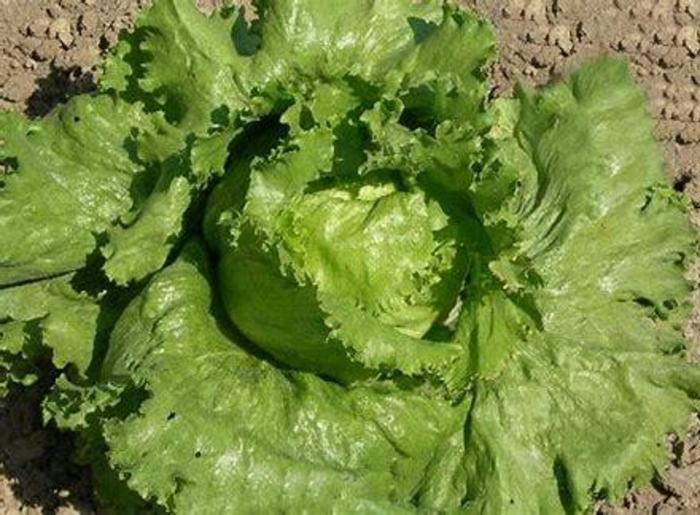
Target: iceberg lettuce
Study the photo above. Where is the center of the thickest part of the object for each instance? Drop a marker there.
(307, 265)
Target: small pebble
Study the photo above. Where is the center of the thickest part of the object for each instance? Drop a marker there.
(695, 114)
(535, 10)
(54, 11)
(38, 27)
(46, 50)
(16, 85)
(88, 22)
(688, 38)
(60, 29)
(633, 40)
(536, 35)
(57, 26)
(561, 37)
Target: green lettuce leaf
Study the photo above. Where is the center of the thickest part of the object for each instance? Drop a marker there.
(584, 403)
(68, 180)
(324, 446)
(306, 265)
(48, 319)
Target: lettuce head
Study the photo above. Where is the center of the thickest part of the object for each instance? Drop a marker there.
(308, 265)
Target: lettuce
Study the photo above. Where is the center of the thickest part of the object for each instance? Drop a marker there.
(306, 265)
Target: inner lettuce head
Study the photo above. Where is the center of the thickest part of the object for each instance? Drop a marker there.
(305, 264)
(313, 236)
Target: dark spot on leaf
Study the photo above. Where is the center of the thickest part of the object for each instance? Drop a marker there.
(172, 415)
(198, 454)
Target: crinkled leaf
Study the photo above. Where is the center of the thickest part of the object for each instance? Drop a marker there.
(368, 219)
(52, 314)
(69, 180)
(135, 251)
(323, 446)
(584, 403)
(18, 355)
(191, 66)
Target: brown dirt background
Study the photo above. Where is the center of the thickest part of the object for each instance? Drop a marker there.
(50, 50)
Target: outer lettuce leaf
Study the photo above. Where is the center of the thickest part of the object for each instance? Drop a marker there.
(69, 179)
(49, 315)
(584, 422)
(584, 404)
(178, 168)
(194, 67)
(95, 169)
(18, 357)
(135, 251)
(322, 446)
(606, 136)
(183, 63)
(83, 408)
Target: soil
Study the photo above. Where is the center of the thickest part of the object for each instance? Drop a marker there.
(37, 473)
(51, 49)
